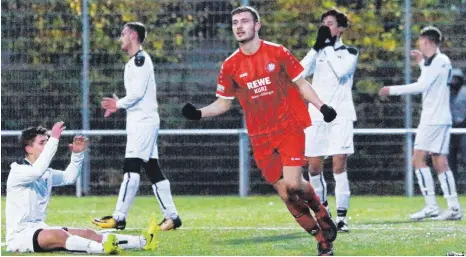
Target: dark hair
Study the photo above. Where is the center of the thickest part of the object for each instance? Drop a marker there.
(432, 33)
(249, 9)
(29, 134)
(139, 28)
(342, 19)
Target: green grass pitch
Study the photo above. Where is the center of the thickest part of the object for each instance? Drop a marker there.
(261, 225)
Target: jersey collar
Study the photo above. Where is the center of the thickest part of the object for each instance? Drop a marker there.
(140, 50)
(338, 43)
(26, 162)
(260, 46)
(429, 60)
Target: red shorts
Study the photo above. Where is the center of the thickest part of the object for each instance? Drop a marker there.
(274, 151)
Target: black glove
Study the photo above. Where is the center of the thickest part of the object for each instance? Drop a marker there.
(328, 112)
(190, 112)
(324, 38)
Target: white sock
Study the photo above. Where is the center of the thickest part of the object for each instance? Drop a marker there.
(426, 184)
(342, 192)
(128, 189)
(164, 196)
(127, 241)
(447, 182)
(81, 244)
(319, 185)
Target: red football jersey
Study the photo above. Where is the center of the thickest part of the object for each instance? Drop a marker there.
(263, 84)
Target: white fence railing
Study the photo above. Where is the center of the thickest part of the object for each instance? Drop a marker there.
(361, 131)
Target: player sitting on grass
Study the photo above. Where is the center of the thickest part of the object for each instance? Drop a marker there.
(29, 187)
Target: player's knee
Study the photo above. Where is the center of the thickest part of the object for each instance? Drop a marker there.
(153, 171)
(313, 171)
(419, 164)
(132, 165)
(89, 233)
(440, 163)
(294, 188)
(281, 190)
(338, 169)
(49, 239)
(418, 159)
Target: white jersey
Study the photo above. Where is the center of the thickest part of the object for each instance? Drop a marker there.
(29, 187)
(140, 101)
(333, 69)
(433, 84)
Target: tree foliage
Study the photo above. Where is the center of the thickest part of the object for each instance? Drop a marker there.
(50, 36)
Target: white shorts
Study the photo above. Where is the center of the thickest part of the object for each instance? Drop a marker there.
(327, 139)
(433, 138)
(22, 239)
(142, 142)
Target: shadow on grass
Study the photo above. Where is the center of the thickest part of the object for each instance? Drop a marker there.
(265, 239)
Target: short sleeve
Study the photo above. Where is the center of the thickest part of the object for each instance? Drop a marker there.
(225, 83)
(290, 64)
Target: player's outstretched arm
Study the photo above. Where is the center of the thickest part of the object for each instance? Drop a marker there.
(427, 78)
(429, 74)
(43, 162)
(220, 106)
(21, 174)
(311, 96)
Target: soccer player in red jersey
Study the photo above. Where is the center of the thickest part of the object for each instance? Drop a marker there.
(266, 78)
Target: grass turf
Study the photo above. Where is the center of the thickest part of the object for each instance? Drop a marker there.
(261, 225)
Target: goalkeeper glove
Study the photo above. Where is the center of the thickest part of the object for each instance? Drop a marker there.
(190, 112)
(324, 38)
(329, 113)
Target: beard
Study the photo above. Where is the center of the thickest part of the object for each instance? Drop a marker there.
(248, 39)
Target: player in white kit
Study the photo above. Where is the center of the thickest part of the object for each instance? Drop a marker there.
(29, 188)
(333, 65)
(433, 134)
(142, 126)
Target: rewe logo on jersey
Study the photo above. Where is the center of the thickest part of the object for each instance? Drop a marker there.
(259, 85)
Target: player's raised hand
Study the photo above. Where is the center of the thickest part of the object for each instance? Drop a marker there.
(57, 129)
(79, 144)
(417, 55)
(190, 112)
